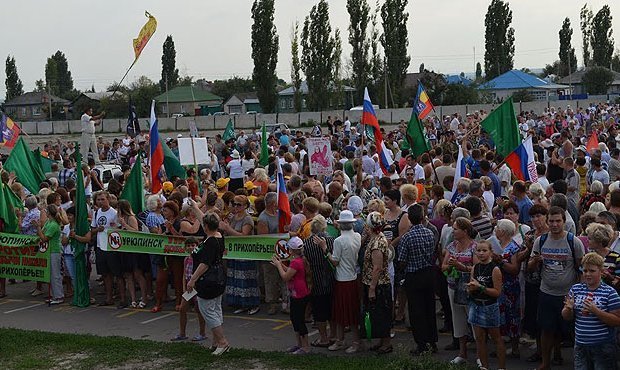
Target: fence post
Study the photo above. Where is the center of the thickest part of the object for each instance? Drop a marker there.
(69, 127)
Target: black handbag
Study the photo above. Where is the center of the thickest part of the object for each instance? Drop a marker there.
(213, 282)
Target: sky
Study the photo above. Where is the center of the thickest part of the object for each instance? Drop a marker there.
(212, 37)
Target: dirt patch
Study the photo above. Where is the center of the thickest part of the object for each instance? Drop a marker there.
(70, 360)
(155, 363)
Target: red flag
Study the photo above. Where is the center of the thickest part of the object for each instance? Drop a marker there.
(9, 131)
(592, 142)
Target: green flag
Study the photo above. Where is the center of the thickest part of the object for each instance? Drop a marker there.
(9, 203)
(133, 191)
(229, 133)
(171, 163)
(81, 293)
(416, 141)
(24, 164)
(44, 162)
(264, 152)
(501, 124)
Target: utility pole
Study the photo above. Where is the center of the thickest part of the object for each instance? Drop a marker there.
(386, 81)
(570, 85)
(474, 58)
(167, 101)
(49, 98)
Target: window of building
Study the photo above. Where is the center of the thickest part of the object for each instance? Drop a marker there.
(289, 104)
(303, 102)
(36, 111)
(23, 111)
(164, 108)
(283, 103)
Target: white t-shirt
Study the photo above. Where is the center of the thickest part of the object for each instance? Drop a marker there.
(235, 167)
(106, 219)
(347, 125)
(88, 125)
(66, 249)
(346, 248)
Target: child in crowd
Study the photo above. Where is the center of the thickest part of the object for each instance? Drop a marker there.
(188, 266)
(484, 288)
(595, 307)
(296, 275)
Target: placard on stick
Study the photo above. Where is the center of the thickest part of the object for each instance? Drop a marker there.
(198, 154)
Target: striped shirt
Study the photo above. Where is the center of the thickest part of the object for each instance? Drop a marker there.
(589, 329)
(483, 226)
(322, 270)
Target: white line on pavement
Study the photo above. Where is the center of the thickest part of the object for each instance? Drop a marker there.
(158, 318)
(312, 333)
(24, 308)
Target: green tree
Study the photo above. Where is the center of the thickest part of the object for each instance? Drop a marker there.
(13, 84)
(317, 59)
(522, 96)
(186, 81)
(337, 91)
(552, 69)
(421, 68)
(169, 72)
(265, 46)
(142, 92)
(597, 80)
(359, 14)
(376, 59)
(615, 63)
(459, 94)
(296, 68)
(602, 41)
(478, 71)
(585, 22)
(435, 84)
(395, 42)
(568, 60)
(226, 88)
(499, 40)
(39, 86)
(58, 77)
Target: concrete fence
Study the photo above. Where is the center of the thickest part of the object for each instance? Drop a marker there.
(250, 121)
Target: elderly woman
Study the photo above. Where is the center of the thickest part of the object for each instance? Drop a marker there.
(28, 227)
(242, 276)
(355, 205)
(600, 238)
(376, 281)
(51, 234)
(261, 180)
(509, 300)
(459, 258)
(537, 194)
(408, 196)
(441, 214)
(316, 247)
(346, 302)
(594, 195)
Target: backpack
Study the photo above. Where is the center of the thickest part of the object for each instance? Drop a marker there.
(571, 244)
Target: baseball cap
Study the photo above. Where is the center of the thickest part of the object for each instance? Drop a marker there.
(249, 186)
(295, 243)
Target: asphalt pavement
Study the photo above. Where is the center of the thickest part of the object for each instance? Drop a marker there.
(261, 331)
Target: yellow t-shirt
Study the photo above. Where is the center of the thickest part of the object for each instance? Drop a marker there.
(582, 171)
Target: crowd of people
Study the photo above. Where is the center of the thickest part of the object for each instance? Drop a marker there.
(528, 265)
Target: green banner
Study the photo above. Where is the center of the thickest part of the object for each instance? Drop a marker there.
(23, 257)
(256, 247)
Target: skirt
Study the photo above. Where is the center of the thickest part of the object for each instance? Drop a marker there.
(346, 304)
(242, 283)
(484, 316)
(379, 311)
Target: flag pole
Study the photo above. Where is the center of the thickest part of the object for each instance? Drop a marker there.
(122, 79)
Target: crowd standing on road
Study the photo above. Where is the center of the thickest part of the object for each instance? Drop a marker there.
(532, 265)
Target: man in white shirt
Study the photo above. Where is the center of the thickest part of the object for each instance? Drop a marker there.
(347, 127)
(454, 124)
(88, 141)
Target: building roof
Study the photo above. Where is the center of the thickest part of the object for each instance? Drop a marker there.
(457, 79)
(35, 98)
(304, 89)
(516, 80)
(576, 77)
(246, 98)
(100, 95)
(182, 94)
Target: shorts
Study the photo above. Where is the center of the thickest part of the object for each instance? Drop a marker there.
(108, 263)
(549, 314)
(484, 316)
(211, 311)
(321, 307)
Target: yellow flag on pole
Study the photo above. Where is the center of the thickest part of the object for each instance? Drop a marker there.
(145, 35)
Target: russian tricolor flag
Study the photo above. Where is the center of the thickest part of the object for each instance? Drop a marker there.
(156, 152)
(370, 118)
(461, 171)
(522, 163)
(284, 207)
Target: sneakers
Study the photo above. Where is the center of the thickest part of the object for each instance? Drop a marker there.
(253, 310)
(239, 311)
(458, 360)
(36, 293)
(337, 346)
(220, 351)
(56, 301)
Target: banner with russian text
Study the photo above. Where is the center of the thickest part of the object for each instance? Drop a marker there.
(255, 247)
(24, 257)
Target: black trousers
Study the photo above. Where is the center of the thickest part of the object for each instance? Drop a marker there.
(298, 314)
(420, 290)
(441, 290)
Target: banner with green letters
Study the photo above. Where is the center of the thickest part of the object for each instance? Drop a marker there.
(24, 257)
(254, 248)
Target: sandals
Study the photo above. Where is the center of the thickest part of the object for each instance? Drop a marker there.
(156, 309)
(292, 349)
(133, 304)
(179, 338)
(317, 343)
(198, 338)
(103, 304)
(141, 304)
(300, 351)
(385, 350)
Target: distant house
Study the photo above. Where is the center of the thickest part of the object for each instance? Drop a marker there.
(458, 80)
(90, 99)
(34, 106)
(186, 100)
(242, 103)
(575, 78)
(505, 85)
(286, 98)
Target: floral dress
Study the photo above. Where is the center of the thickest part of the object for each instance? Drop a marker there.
(509, 299)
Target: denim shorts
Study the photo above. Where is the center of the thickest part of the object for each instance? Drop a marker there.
(598, 356)
(484, 316)
(211, 311)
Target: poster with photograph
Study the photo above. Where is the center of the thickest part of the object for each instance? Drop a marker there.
(320, 152)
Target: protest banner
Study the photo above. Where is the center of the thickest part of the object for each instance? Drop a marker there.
(24, 257)
(255, 247)
(320, 152)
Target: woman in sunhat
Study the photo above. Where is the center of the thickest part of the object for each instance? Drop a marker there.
(235, 171)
